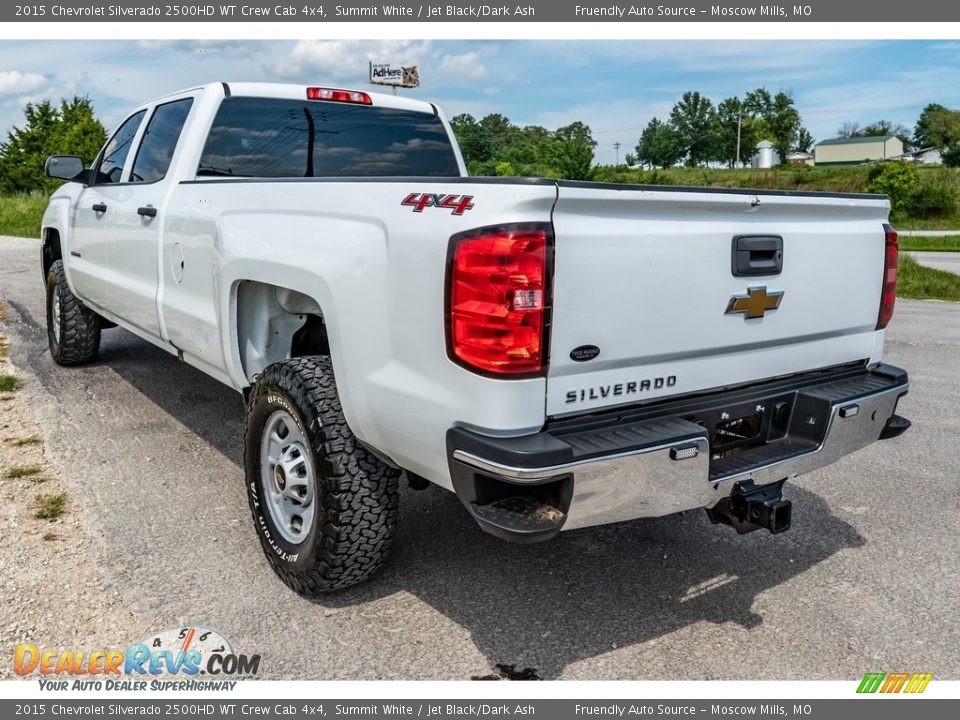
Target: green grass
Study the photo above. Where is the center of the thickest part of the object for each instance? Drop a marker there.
(9, 383)
(827, 179)
(951, 243)
(23, 442)
(50, 507)
(22, 471)
(20, 215)
(941, 223)
(922, 283)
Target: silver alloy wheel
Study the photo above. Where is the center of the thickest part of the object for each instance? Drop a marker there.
(55, 314)
(288, 477)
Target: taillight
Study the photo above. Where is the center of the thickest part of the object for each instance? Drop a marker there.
(891, 258)
(498, 299)
(334, 95)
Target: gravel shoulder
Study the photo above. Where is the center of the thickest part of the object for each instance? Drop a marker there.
(50, 586)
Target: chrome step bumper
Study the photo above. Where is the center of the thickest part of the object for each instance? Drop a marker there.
(616, 467)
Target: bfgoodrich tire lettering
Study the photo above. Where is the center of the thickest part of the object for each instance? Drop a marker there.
(73, 330)
(356, 494)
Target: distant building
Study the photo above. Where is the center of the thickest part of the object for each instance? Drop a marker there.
(857, 150)
(766, 156)
(926, 156)
(800, 158)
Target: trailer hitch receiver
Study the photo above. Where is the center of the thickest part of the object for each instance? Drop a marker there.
(752, 507)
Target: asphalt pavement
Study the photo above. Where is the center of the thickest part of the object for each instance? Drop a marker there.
(949, 261)
(927, 233)
(866, 580)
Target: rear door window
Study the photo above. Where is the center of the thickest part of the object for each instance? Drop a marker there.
(159, 141)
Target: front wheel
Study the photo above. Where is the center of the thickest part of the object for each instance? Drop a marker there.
(324, 507)
(73, 329)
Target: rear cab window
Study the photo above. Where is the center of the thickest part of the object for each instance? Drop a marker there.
(277, 138)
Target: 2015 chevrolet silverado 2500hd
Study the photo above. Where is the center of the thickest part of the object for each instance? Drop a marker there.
(559, 354)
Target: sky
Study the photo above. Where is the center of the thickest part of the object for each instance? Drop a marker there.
(615, 87)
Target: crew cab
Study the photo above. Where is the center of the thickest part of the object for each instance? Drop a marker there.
(559, 354)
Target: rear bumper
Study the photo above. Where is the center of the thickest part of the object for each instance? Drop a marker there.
(673, 456)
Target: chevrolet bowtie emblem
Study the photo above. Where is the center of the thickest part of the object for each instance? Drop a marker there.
(755, 303)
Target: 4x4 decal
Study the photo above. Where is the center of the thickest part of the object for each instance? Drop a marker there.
(457, 204)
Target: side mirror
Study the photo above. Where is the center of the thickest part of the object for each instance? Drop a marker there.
(63, 167)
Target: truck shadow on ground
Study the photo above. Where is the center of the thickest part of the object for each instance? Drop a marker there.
(543, 606)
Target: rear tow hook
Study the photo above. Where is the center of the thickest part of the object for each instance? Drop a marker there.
(751, 507)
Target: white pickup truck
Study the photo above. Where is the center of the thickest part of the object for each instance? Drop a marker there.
(559, 354)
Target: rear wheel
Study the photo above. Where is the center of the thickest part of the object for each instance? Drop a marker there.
(73, 330)
(324, 507)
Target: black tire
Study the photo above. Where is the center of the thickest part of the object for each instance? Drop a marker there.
(78, 339)
(358, 494)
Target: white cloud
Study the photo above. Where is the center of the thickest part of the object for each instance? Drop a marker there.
(14, 82)
(466, 66)
(347, 59)
(722, 56)
(826, 109)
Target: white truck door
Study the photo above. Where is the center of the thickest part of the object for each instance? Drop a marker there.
(132, 245)
(96, 208)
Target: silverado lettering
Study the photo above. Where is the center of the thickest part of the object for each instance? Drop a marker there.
(622, 388)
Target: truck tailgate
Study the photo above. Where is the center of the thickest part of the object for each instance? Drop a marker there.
(645, 275)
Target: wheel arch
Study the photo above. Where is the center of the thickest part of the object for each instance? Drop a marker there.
(275, 323)
(51, 250)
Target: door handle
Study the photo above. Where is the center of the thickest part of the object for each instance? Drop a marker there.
(757, 255)
(147, 211)
(99, 207)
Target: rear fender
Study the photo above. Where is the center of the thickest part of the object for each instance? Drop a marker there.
(341, 273)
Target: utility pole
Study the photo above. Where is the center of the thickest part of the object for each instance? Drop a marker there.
(616, 146)
(739, 124)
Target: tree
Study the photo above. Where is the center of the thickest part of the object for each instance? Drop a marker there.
(693, 118)
(502, 132)
(758, 103)
(784, 125)
(70, 129)
(532, 147)
(804, 140)
(572, 151)
(473, 138)
(659, 146)
(951, 155)
(730, 115)
(937, 127)
(777, 119)
(899, 181)
(849, 130)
